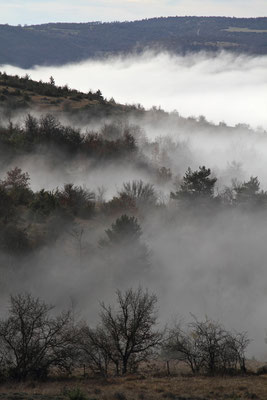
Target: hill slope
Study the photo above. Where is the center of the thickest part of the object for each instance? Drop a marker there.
(59, 43)
(23, 93)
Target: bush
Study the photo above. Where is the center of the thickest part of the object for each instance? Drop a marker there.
(44, 203)
(76, 394)
(143, 194)
(262, 370)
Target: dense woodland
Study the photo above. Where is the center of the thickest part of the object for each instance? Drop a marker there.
(59, 43)
(24, 211)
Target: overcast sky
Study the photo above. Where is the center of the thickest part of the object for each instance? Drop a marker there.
(40, 11)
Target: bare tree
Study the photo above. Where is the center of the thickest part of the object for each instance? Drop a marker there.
(130, 328)
(182, 346)
(96, 350)
(237, 343)
(207, 346)
(210, 337)
(32, 340)
(77, 234)
(142, 193)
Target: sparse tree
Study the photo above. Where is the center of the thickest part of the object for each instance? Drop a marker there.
(123, 245)
(31, 127)
(143, 194)
(130, 328)
(124, 230)
(17, 185)
(164, 175)
(78, 200)
(31, 340)
(182, 346)
(49, 127)
(16, 179)
(44, 203)
(249, 193)
(210, 341)
(77, 234)
(207, 346)
(52, 81)
(196, 185)
(96, 350)
(237, 343)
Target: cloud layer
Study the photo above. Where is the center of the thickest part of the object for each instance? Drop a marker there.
(223, 88)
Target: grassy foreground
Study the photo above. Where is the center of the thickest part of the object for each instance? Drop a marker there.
(142, 388)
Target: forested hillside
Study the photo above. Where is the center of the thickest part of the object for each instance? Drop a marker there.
(59, 43)
(96, 195)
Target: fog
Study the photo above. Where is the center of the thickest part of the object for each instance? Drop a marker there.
(225, 87)
(211, 265)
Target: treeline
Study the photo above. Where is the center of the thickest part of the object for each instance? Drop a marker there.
(113, 141)
(197, 188)
(61, 43)
(30, 219)
(35, 342)
(44, 88)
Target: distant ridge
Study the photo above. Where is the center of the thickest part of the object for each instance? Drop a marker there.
(60, 43)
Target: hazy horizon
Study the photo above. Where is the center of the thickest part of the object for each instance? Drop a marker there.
(44, 11)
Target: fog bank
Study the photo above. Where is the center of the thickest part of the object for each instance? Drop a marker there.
(225, 87)
(206, 265)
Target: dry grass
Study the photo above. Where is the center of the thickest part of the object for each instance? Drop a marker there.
(49, 103)
(144, 388)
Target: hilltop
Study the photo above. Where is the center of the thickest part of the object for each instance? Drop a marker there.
(22, 93)
(60, 43)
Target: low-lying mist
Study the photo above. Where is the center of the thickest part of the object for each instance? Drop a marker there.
(164, 140)
(222, 87)
(203, 263)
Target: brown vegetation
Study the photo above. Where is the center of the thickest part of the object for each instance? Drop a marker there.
(143, 388)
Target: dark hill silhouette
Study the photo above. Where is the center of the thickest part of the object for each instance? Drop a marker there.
(59, 43)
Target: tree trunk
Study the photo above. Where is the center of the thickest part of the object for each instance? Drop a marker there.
(168, 367)
(124, 366)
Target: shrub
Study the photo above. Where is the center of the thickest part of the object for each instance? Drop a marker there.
(79, 201)
(143, 194)
(262, 370)
(76, 394)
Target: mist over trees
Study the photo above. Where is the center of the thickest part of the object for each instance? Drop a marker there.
(207, 346)
(89, 204)
(34, 342)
